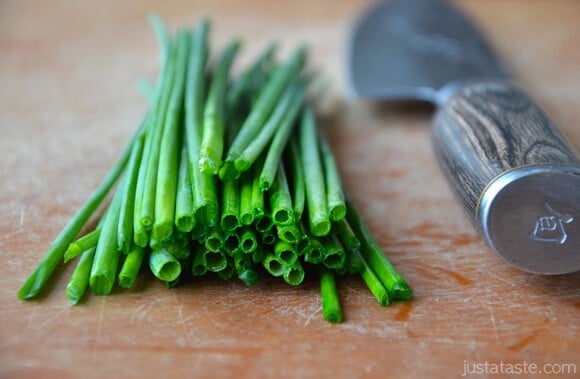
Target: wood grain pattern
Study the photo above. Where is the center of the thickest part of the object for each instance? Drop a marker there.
(485, 129)
(67, 107)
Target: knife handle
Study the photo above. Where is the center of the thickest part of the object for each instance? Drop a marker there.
(510, 166)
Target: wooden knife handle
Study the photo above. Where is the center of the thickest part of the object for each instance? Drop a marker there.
(488, 128)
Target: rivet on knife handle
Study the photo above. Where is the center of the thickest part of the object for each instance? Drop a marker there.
(515, 174)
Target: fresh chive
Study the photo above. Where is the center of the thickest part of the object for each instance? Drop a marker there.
(231, 242)
(289, 233)
(353, 263)
(83, 244)
(164, 265)
(214, 261)
(212, 144)
(273, 265)
(396, 286)
(334, 194)
(285, 253)
(140, 233)
(313, 176)
(248, 241)
(203, 186)
(264, 224)
(330, 302)
(168, 163)
(297, 175)
(265, 103)
(214, 239)
(131, 266)
(79, 280)
(159, 113)
(244, 270)
(314, 252)
(125, 226)
(230, 206)
(289, 104)
(346, 235)
(55, 253)
(179, 246)
(294, 274)
(268, 237)
(258, 255)
(373, 283)
(104, 268)
(257, 199)
(228, 272)
(198, 267)
(184, 213)
(334, 256)
(246, 211)
(280, 200)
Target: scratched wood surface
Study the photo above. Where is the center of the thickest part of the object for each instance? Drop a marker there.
(67, 105)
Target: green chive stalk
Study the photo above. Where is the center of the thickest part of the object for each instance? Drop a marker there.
(373, 283)
(244, 270)
(313, 176)
(83, 244)
(280, 200)
(330, 302)
(297, 175)
(214, 261)
(334, 256)
(212, 144)
(184, 212)
(230, 219)
(290, 234)
(285, 253)
(131, 266)
(164, 265)
(198, 267)
(79, 280)
(294, 274)
(273, 265)
(248, 241)
(334, 194)
(246, 212)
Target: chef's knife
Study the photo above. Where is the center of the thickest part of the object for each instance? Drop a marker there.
(516, 176)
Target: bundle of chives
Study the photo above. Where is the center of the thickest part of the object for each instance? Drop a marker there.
(225, 176)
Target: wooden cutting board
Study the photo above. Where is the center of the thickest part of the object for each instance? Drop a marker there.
(67, 105)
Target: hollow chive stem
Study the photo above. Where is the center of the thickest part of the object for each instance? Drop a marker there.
(248, 241)
(131, 266)
(231, 242)
(329, 295)
(289, 103)
(167, 172)
(55, 253)
(290, 234)
(372, 253)
(273, 265)
(104, 268)
(267, 99)
(244, 270)
(314, 252)
(140, 233)
(257, 200)
(280, 200)
(228, 272)
(285, 253)
(318, 218)
(230, 220)
(198, 267)
(125, 226)
(212, 144)
(159, 113)
(334, 257)
(373, 283)
(164, 265)
(184, 213)
(214, 261)
(280, 140)
(345, 234)
(334, 193)
(79, 280)
(214, 239)
(203, 186)
(294, 274)
(83, 244)
(246, 212)
(297, 175)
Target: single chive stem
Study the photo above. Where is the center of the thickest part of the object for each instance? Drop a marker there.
(346, 235)
(372, 253)
(184, 213)
(79, 280)
(257, 199)
(104, 268)
(334, 257)
(140, 233)
(55, 253)
(334, 193)
(330, 301)
(244, 270)
(214, 261)
(231, 242)
(203, 186)
(373, 283)
(294, 274)
(267, 99)
(313, 176)
(314, 252)
(214, 239)
(228, 272)
(289, 104)
(167, 172)
(246, 211)
(198, 267)
(297, 175)
(212, 144)
(280, 200)
(230, 206)
(131, 266)
(248, 241)
(83, 244)
(290, 234)
(285, 253)
(273, 265)
(125, 226)
(159, 113)
(164, 265)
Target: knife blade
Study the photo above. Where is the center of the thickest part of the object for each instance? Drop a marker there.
(515, 174)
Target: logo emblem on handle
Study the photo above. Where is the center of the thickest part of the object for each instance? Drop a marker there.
(550, 227)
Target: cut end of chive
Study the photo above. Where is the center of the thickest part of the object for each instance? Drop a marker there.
(163, 231)
(294, 276)
(126, 281)
(274, 267)
(337, 212)
(247, 218)
(320, 227)
(214, 261)
(334, 259)
(383, 299)
(264, 185)
(264, 224)
(208, 166)
(72, 252)
(231, 242)
(141, 238)
(288, 236)
(73, 295)
(169, 271)
(185, 223)
(230, 222)
(147, 222)
(198, 270)
(249, 277)
(228, 171)
(100, 284)
(248, 245)
(282, 217)
(402, 291)
(334, 317)
(242, 164)
(213, 244)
